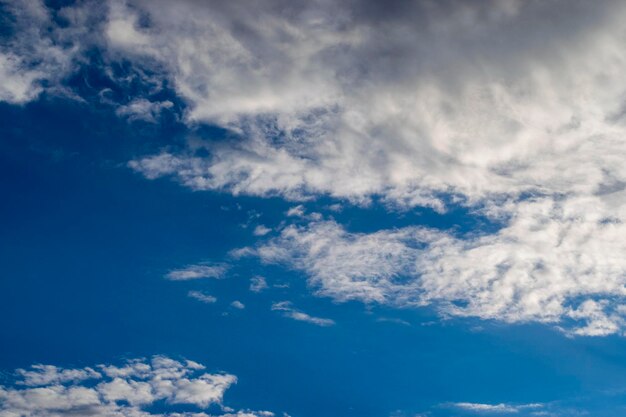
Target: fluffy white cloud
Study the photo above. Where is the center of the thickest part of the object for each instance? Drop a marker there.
(197, 272)
(448, 110)
(289, 311)
(514, 275)
(123, 391)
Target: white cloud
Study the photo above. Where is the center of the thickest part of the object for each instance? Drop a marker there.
(530, 270)
(238, 305)
(197, 272)
(289, 311)
(52, 375)
(142, 109)
(447, 111)
(200, 296)
(258, 284)
(261, 230)
(122, 391)
(495, 408)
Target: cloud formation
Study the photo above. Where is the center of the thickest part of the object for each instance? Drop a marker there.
(110, 390)
(512, 108)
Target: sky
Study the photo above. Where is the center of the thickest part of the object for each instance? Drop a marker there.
(312, 209)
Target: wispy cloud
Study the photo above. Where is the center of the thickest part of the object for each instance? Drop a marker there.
(289, 311)
(200, 296)
(197, 272)
(515, 275)
(261, 230)
(495, 408)
(258, 284)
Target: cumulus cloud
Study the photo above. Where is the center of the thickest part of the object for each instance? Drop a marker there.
(238, 305)
(289, 311)
(197, 272)
(126, 390)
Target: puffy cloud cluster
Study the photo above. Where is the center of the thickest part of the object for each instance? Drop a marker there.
(124, 391)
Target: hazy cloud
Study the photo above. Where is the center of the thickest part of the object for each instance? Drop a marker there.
(197, 272)
(289, 311)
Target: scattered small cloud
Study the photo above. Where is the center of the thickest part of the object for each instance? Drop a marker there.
(197, 272)
(258, 284)
(200, 296)
(296, 211)
(393, 320)
(288, 311)
(261, 230)
(495, 408)
(238, 305)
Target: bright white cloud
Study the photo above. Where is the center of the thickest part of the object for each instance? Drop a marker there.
(125, 391)
(289, 311)
(197, 272)
(238, 305)
(514, 275)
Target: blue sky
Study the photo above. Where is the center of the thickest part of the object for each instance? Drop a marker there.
(312, 209)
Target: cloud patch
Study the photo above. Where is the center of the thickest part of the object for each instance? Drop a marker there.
(126, 390)
(529, 271)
